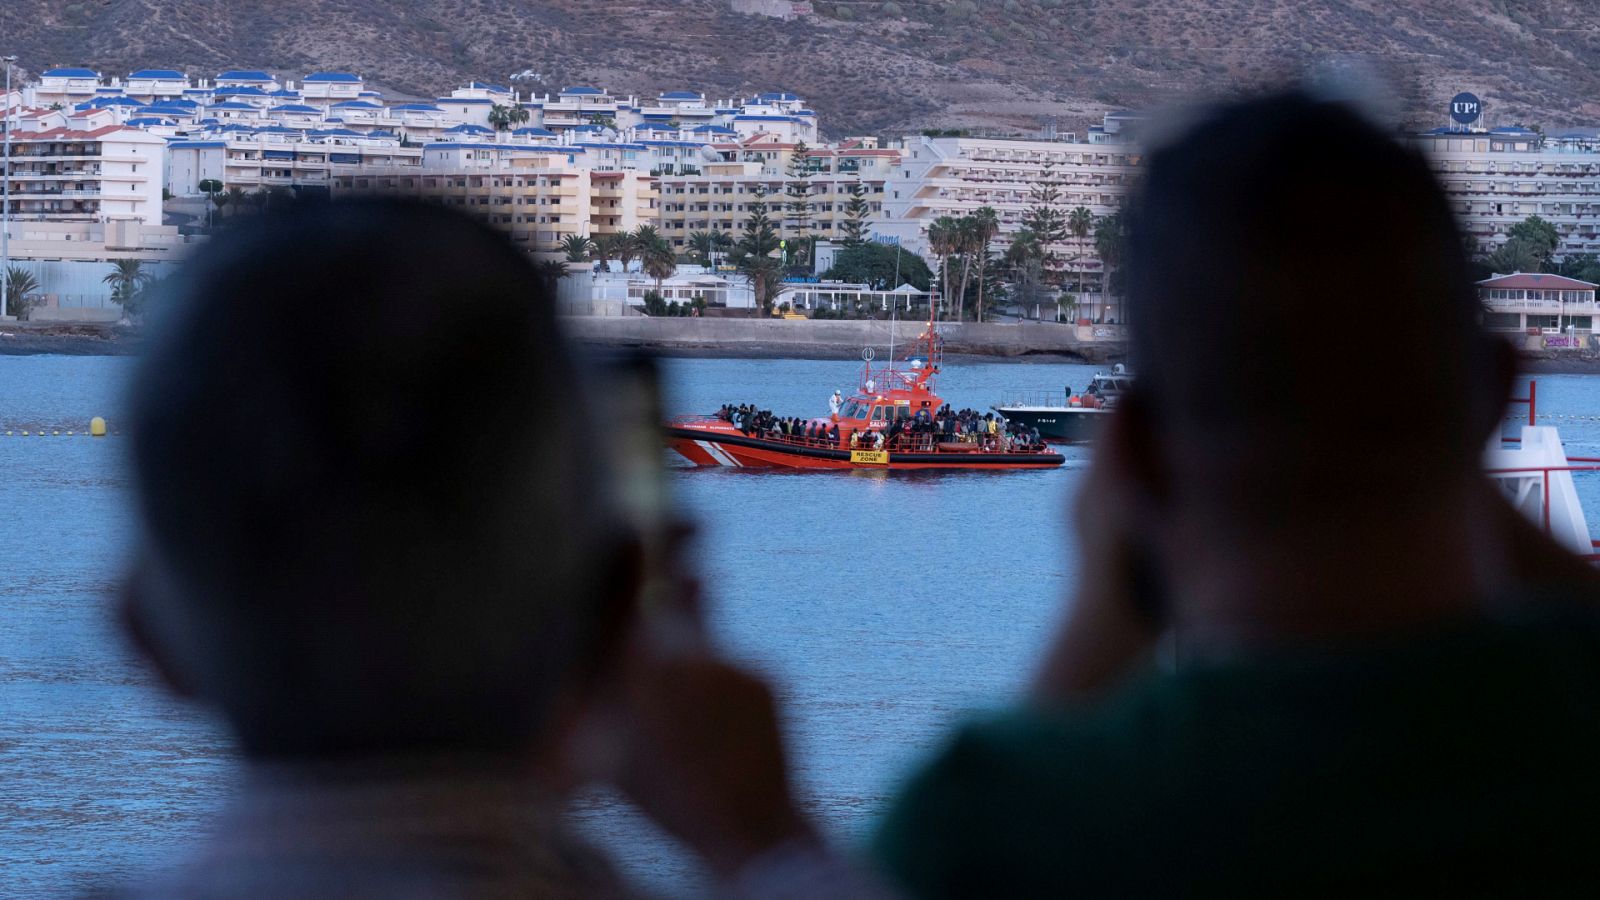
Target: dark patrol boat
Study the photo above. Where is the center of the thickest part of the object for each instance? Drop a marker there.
(1067, 417)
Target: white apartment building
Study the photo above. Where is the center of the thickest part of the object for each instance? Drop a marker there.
(280, 158)
(323, 88)
(1497, 178)
(719, 196)
(537, 195)
(71, 174)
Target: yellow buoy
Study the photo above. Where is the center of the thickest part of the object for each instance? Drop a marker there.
(24, 434)
(97, 427)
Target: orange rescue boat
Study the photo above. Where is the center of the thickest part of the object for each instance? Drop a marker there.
(863, 421)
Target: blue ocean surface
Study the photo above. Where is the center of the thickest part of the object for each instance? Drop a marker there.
(884, 605)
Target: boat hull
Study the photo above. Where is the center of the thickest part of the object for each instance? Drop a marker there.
(1063, 425)
(716, 447)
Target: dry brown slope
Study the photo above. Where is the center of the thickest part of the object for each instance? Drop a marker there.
(939, 63)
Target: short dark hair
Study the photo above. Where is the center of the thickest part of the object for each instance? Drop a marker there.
(1253, 238)
(357, 445)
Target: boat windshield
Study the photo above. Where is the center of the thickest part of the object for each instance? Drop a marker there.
(853, 409)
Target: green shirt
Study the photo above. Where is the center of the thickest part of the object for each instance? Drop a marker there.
(1466, 760)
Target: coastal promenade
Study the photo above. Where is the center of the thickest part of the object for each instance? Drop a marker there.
(832, 339)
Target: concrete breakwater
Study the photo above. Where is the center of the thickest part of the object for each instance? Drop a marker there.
(833, 339)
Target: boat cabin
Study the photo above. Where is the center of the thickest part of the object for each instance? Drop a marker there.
(878, 410)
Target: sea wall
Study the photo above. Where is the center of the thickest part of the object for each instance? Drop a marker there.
(831, 339)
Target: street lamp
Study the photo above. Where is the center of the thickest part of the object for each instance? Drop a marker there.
(5, 200)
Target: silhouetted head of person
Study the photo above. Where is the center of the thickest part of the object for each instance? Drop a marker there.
(366, 493)
(1304, 323)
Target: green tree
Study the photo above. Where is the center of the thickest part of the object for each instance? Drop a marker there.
(626, 246)
(211, 187)
(127, 278)
(1110, 240)
(237, 199)
(1080, 221)
(985, 225)
(1540, 237)
(702, 246)
(875, 265)
(506, 117)
(550, 272)
(797, 208)
(944, 236)
(656, 255)
(753, 252)
(1515, 255)
(21, 285)
(1024, 259)
(1582, 266)
(605, 249)
(576, 247)
(854, 228)
(653, 304)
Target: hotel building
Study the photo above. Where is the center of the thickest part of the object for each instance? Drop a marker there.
(1538, 304)
(538, 196)
(1496, 179)
(720, 195)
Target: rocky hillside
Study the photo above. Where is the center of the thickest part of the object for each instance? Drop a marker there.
(867, 66)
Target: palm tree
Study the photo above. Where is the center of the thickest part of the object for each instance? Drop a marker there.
(576, 247)
(656, 254)
(20, 284)
(260, 199)
(985, 224)
(604, 249)
(943, 233)
(127, 278)
(702, 244)
(1109, 237)
(219, 199)
(504, 118)
(236, 199)
(550, 272)
(626, 247)
(1079, 222)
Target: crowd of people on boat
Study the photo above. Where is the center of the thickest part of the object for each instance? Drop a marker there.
(924, 429)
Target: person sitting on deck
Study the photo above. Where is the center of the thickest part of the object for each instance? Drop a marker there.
(1297, 661)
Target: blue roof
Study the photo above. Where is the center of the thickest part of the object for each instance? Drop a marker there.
(194, 145)
(244, 75)
(755, 118)
(805, 112)
(484, 86)
(726, 109)
(343, 77)
(423, 107)
(335, 132)
(294, 108)
(657, 126)
(277, 129)
(71, 73)
(680, 95)
(356, 104)
(468, 128)
(206, 91)
(178, 103)
(250, 91)
(145, 121)
(156, 73)
(777, 95)
(580, 89)
(531, 131)
(283, 92)
(479, 100)
(586, 129)
(712, 129)
(658, 115)
(232, 104)
(369, 94)
(383, 134)
(524, 148)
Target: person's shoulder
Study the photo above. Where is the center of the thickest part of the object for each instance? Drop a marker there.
(1025, 795)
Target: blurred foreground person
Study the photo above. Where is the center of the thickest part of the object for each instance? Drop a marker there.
(1312, 650)
(366, 548)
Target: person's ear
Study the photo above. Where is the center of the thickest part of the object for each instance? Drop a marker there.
(133, 611)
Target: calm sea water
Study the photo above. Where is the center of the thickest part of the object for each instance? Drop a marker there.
(884, 605)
